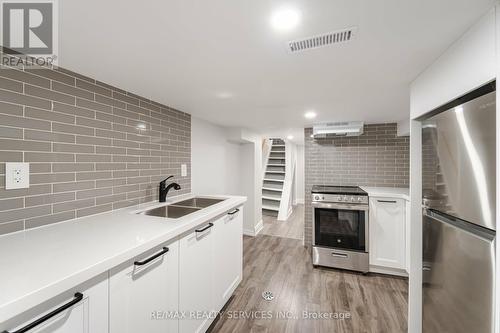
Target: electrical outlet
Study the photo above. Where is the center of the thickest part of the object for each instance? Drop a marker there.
(17, 175)
(184, 171)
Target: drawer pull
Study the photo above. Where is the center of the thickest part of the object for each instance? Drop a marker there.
(144, 262)
(387, 201)
(78, 298)
(210, 225)
(233, 212)
(339, 255)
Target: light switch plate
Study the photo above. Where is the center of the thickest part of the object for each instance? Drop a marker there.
(17, 175)
(184, 171)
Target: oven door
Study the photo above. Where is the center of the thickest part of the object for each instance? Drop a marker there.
(341, 226)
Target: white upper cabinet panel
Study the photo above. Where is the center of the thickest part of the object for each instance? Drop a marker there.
(468, 64)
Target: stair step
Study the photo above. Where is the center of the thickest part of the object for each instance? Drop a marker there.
(271, 198)
(278, 145)
(276, 165)
(274, 180)
(266, 207)
(277, 172)
(272, 189)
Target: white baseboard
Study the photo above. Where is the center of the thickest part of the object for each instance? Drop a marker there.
(249, 232)
(387, 270)
(254, 232)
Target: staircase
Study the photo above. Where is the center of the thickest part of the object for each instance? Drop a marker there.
(274, 179)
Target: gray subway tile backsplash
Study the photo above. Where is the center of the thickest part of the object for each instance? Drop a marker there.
(377, 158)
(25, 77)
(91, 147)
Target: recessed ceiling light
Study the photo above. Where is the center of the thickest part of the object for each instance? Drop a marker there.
(310, 114)
(224, 95)
(290, 137)
(285, 19)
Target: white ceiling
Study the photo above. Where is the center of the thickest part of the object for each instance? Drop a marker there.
(220, 59)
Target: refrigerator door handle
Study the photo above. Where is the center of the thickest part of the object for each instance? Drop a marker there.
(469, 227)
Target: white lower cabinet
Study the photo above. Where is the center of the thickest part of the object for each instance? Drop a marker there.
(387, 231)
(83, 309)
(176, 287)
(144, 292)
(228, 255)
(210, 269)
(196, 276)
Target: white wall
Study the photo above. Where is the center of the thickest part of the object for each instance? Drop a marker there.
(299, 176)
(251, 176)
(468, 64)
(215, 162)
(248, 186)
(228, 161)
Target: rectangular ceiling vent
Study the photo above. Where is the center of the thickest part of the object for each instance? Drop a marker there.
(331, 38)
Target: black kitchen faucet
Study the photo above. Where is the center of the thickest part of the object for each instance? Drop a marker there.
(164, 188)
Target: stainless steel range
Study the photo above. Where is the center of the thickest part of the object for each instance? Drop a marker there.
(340, 227)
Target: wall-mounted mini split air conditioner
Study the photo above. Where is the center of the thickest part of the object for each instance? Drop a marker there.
(351, 128)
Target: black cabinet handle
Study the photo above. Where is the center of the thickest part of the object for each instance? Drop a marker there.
(233, 212)
(210, 225)
(144, 262)
(387, 201)
(78, 298)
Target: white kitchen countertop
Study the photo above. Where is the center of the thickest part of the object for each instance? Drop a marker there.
(388, 192)
(41, 263)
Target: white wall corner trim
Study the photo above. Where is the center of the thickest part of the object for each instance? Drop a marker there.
(254, 232)
(497, 283)
(415, 265)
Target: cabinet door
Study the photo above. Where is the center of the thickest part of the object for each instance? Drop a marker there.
(144, 295)
(87, 314)
(228, 253)
(196, 280)
(387, 232)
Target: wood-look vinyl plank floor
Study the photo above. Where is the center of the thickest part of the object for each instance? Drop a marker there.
(293, 227)
(376, 303)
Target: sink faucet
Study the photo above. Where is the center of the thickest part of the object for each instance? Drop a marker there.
(164, 189)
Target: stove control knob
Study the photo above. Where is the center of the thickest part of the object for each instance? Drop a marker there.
(352, 199)
(316, 197)
(346, 198)
(360, 199)
(339, 198)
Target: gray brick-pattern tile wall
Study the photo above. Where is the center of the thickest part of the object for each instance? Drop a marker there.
(377, 158)
(91, 147)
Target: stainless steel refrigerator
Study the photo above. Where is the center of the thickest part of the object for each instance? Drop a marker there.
(459, 221)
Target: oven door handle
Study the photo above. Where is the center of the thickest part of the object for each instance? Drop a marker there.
(339, 206)
(339, 255)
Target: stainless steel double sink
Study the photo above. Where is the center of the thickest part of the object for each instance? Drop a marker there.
(181, 208)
